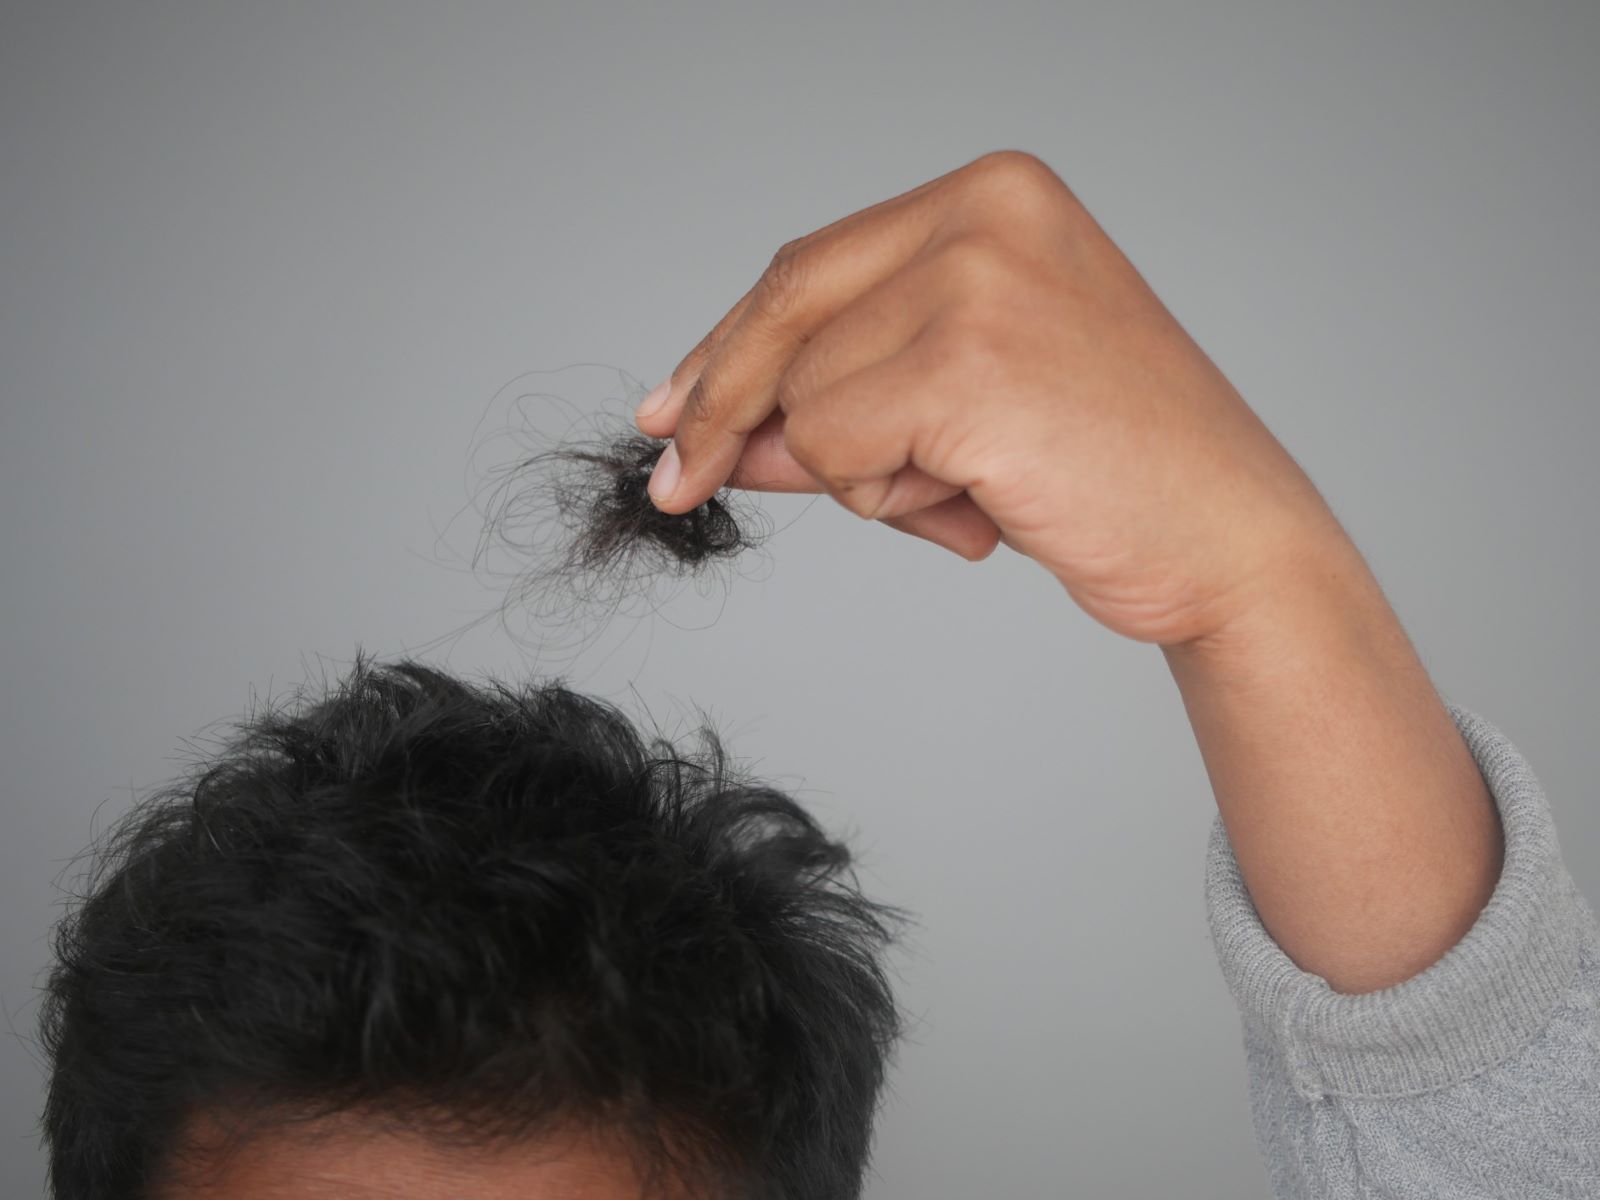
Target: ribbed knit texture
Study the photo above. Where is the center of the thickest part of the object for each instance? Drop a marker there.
(1479, 1077)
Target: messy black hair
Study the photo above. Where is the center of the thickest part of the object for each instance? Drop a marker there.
(608, 502)
(486, 912)
(565, 531)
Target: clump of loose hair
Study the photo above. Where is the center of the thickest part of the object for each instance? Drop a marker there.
(483, 913)
(568, 534)
(613, 520)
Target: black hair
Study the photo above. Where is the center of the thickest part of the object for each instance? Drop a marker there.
(583, 536)
(609, 505)
(484, 911)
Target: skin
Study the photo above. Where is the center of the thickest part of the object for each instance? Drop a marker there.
(975, 362)
(357, 1157)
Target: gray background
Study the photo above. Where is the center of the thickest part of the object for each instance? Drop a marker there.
(264, 268)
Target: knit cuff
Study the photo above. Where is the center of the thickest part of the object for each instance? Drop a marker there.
(1486, 998)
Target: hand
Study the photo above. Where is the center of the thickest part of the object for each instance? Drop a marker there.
(974, 362)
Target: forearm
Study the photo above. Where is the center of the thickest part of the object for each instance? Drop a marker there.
(1362, 828)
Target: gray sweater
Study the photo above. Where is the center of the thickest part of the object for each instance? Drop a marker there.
(1480, 1077)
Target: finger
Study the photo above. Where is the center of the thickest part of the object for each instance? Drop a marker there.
(660, 417)
(957, 524)
(736, 390)
(767, 466)
(859, 435)
(801, 291)
(953, 521)
(853, 340)
(657, 414)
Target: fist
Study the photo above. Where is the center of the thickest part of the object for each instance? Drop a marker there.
(975, 362)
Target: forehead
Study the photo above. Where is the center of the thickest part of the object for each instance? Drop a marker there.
(356, 1159)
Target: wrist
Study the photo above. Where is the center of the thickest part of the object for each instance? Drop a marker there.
(1362, 827)
(1322, 590)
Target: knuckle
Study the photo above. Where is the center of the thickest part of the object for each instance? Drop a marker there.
(798, 433)
(814, 443)
(790, 388)
(806, 376)
(784, 280)
(966, 343)
(1015, 166)
(1019, 183)
(807, 444)
(789, 249)
(974, 264)
(700, 406)
(863, 501)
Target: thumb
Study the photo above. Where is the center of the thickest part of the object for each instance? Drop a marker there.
(957, 524)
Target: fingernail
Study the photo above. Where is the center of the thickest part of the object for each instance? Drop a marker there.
(665, 477)
(654, 399)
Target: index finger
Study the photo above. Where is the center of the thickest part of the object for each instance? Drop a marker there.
(657, 414)
(727, 387)
(659, 410)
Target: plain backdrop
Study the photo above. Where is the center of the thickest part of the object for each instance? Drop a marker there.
(269, 272)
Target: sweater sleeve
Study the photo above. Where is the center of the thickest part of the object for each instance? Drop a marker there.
(1479, 1077)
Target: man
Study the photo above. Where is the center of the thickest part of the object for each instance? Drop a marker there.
(975, 362)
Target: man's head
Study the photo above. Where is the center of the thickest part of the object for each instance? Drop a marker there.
(430, 938)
